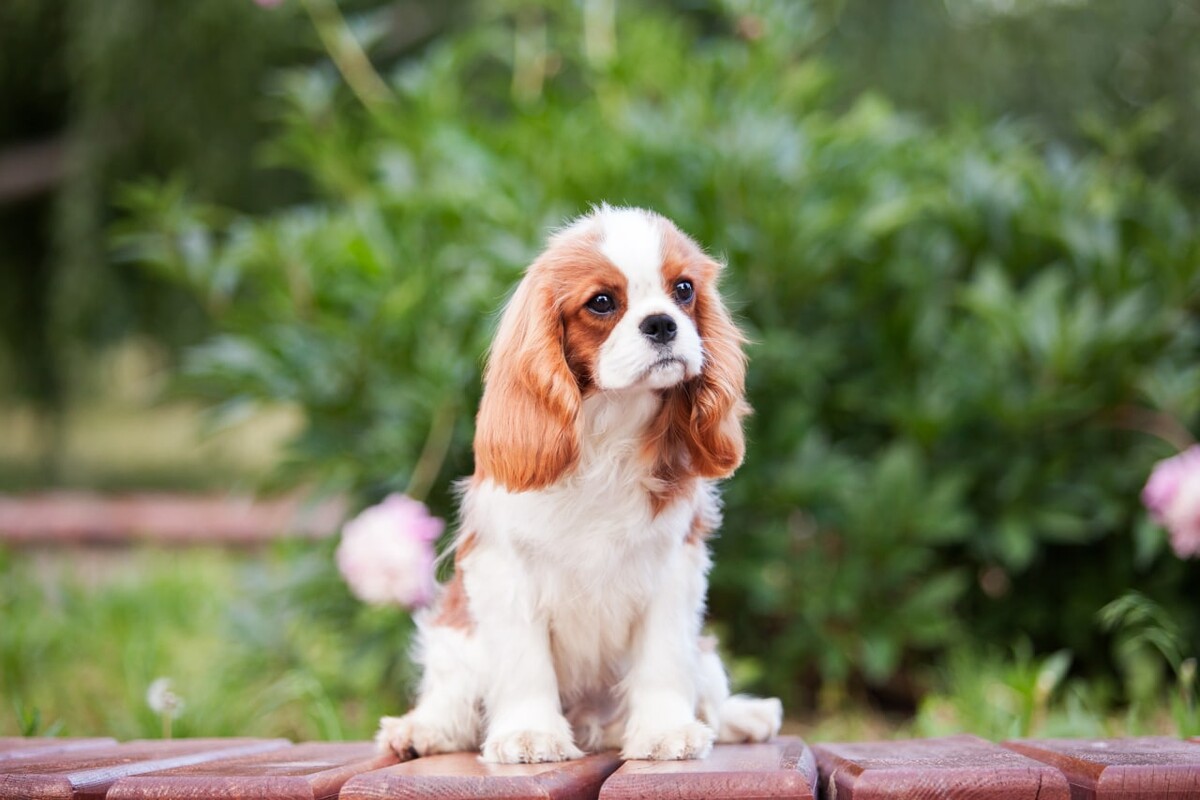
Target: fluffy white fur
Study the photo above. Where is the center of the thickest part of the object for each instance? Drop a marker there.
(586, 600)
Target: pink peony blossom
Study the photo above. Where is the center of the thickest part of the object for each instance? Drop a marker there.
(1172, 495)
(386, 554)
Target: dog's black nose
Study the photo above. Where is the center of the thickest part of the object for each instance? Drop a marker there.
(658, 328)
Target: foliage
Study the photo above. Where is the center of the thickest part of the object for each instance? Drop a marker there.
(115, 91)
(1145, 636)
(1117, 76)
(953, 326)
(109, 92)
(135, 87)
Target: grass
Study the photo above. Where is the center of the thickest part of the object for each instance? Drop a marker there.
(86, 633)
(247, 646)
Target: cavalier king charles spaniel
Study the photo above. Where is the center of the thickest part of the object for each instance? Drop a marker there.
(613, 402)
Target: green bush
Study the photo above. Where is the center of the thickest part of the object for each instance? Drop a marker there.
(954, 328)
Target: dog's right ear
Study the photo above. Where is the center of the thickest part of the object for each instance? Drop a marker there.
(527, 430)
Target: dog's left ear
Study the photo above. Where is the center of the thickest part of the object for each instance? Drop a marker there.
(707, 411)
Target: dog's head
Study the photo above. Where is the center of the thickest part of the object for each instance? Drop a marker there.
(620, 300)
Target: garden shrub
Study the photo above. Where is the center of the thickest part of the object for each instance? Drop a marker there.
(961, 334)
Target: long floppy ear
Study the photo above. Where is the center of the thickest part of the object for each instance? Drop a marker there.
(527, 431)
(707, 411)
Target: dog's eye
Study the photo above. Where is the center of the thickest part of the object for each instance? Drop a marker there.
(602, 304)
(684, 292)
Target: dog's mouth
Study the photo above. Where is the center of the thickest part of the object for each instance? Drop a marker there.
(664, 372)
(665, 362)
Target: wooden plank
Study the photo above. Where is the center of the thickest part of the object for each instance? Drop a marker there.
(303, 772)
(75, 517)
(35, 746)
(781, 768)
(89, 773)
(1121, 769)
(463, 775)
(965, 767)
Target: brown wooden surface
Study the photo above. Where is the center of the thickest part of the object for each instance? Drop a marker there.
(302, 772)
(954, 767)
(463, 775)
(1121, 769)
(76, 517)
(34, 746)
(783, 768)
(950, 767)
(88, 773)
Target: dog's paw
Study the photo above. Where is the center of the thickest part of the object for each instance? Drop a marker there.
(410, 736)
(749, 719)
(694, 740)
(529, 747)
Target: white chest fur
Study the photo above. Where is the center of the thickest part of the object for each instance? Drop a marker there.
(585, 557)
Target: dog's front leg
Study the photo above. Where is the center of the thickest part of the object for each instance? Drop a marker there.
(661, 687)
(525, 720)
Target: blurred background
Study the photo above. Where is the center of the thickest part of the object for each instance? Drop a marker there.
(257, 248)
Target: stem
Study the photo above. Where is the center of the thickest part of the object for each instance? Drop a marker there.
(599, 32)
(529, 57)
(347, 54)
(433, 454)
(1155, 423)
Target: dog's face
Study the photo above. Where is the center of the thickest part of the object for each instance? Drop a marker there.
(620, 300)
(627, 294)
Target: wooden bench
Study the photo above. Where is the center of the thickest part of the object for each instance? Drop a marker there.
(274, 769)
(73, 518)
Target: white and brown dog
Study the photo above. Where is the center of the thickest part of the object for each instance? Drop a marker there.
(613, 400)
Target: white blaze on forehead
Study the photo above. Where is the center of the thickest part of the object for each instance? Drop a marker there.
(632, 240)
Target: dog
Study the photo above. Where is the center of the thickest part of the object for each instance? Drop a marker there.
(613, 401)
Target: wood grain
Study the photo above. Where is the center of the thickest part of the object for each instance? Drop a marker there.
(781, 768)
(88, 773)
(463, 775)
(303, 772)
(1121, 769)
(965, 767)
(33, 747)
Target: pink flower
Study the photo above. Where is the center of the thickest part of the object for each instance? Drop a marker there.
(1172, 495)
(386, 554)
(268, 3)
